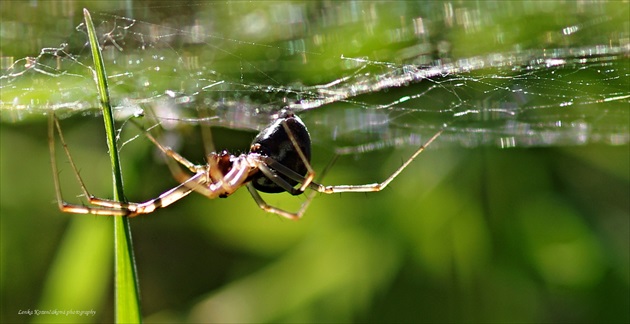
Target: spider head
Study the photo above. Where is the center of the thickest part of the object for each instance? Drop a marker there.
(274, 142)
(220, 165)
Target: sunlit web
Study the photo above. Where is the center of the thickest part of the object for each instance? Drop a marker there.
(193, 72)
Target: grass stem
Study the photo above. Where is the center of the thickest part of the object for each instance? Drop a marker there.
(127, 299)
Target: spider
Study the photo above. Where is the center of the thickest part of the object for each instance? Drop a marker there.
(278, 160)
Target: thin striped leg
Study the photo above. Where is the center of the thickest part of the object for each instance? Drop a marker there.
(110, 207)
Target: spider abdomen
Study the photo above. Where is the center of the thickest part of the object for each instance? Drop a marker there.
(274, 142)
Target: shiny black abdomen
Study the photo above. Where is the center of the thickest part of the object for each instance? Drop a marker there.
(274, 142)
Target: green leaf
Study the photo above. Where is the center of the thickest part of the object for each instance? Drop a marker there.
(127, 295)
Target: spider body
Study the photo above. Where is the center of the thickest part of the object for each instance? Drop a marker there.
(219, 166)
(278, 160)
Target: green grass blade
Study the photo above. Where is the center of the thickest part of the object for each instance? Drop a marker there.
(127, 296)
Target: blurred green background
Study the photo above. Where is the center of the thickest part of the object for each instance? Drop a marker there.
(526, 234)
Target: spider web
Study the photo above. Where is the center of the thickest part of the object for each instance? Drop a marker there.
(572, 88)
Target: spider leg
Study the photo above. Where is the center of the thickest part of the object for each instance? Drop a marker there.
(109, 207)
(53, 123)
(293, 175)
(279, 167)
(196, 182)
(206, 133)
(271, 209)
(132, 209)
(373, 187)
(174, 155)
(310, 174)
(170, 153)
(278, 180)
(178, 174)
